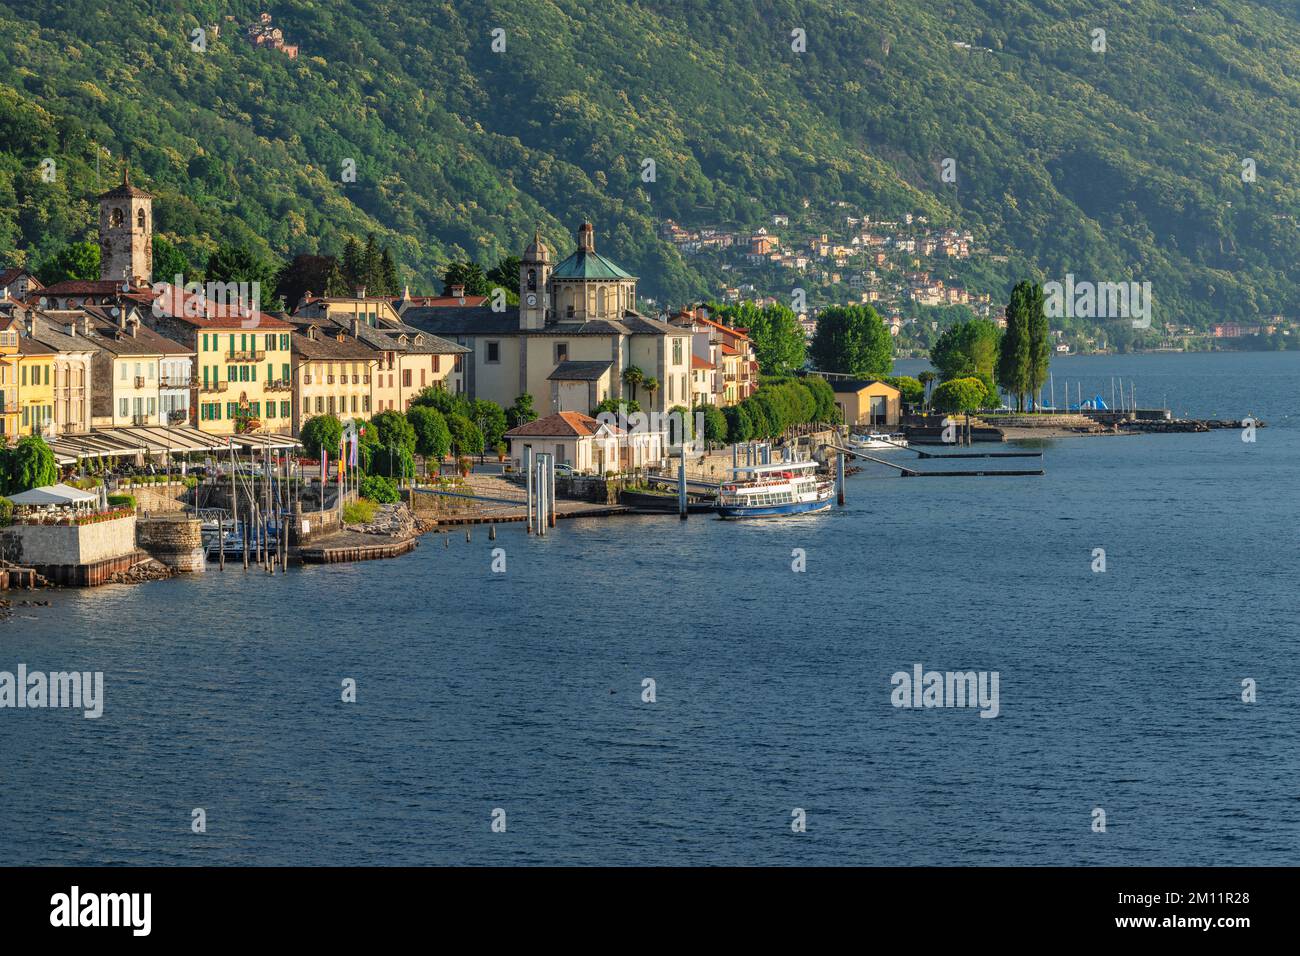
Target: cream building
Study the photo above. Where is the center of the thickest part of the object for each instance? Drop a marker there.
(333, 374)
(569, 340)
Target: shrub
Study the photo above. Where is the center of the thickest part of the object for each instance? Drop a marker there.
(361, 511)
(122, 501)
(381, 489)
(6, 512)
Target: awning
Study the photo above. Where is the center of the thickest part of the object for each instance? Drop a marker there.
(54, 495)
(157, 440)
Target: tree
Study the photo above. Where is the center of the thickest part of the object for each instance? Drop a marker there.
(651, 385)
(913, 392)
(852, 339)
(715, 426)
(388, 282)
(505, 274)
(491, 421)
(773, 331)
(1014, 350)
(632, 378)
(1040, 343)
(77, 260)
(683, 415)
(521, 412)
(825, 410)
(467, 274)
(617, 406)
(321, 432)
(960, 395)
(442, 401)
(432, 437)
(309, 275)
(232, 263)
(168, 261)
(466, 439)
(739, 426)
(28, 464)
(966, 349)
(393, 429)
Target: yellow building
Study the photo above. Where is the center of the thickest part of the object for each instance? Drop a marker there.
(867, 402)
(27, 383)
(243, 363)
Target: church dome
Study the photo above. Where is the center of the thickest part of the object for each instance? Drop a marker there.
(537, 250)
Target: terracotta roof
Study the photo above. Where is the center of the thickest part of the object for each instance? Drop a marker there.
(738, 333)
(697, 362)
(86, 287)
(173, 302)
(728, 350)
(559, 425)
(125, 190)
(9, 275)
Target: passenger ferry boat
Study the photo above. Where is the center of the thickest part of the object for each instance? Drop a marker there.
(762, 491)
(878, 441)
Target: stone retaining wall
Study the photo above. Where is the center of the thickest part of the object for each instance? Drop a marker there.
(175, 540)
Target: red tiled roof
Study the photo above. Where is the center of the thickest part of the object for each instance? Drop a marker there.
(559, 425)
(728, 350)
(9, 275)
(173, 302)
(697, 362)
(738, 333)
(89, 287)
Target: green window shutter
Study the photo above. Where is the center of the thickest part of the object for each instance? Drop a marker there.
(252, 373)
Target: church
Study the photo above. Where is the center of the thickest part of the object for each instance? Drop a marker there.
(575, 330)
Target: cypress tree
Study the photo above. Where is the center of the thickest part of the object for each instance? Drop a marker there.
(1040, 342)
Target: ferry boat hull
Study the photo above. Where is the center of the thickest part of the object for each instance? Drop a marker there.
(772, 511)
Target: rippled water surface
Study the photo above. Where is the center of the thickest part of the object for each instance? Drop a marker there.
(522, 691)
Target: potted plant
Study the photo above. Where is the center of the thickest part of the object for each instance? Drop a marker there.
(501, 452)
(464, 465)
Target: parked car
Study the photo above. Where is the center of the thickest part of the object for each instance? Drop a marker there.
(563, 471)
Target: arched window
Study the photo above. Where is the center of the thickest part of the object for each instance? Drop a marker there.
(139, 220)
(116, 219)
(532, 280)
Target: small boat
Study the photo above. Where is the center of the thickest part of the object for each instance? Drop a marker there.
(878, 441)
(764, 491)
(233, 544)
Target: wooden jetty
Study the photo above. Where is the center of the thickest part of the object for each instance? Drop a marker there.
(357, 552)
(907, 472)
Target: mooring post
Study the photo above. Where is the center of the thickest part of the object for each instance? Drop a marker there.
(681, 481)
(839, 477)
(735, 455)
(550, 490)
(528, 482)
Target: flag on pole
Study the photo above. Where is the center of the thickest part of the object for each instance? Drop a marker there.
(324, 465)
(352, 455)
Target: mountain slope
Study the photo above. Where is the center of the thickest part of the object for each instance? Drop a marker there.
(1117, 166)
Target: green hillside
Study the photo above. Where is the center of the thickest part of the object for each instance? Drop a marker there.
(1115, 166)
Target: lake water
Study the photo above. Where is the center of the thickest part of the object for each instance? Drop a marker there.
(523, 691)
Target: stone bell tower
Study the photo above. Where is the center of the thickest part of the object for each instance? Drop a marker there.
(534, 276)
(126, 233)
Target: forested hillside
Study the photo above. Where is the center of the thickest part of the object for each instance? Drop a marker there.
(1115, 166)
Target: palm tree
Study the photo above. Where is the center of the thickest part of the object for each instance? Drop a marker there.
(651, 385)
(925, 378)
(632, 377)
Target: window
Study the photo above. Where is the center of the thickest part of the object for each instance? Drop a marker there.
(365, 403)
(320, 404)
(561, 352)
(152, 369)
(423, 380)
(532, 280)
(437, 364)
(284, 409)
(354, 404)
(270, 343)
(24, 375)
(123, 408)
(116, 218)
(270, 409)
(252, 373)
(284, 373)
(125, 372)
(139, 220)
(331, 404)
(493, 352)
(677, 351)
(406, 378)
(284, 342)
(153, 406)
(231, 409)
(256, 409)
(232, 372)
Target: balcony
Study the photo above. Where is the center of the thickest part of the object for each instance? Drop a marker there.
(214, 387)
(329, 379)
(173, 381)
(306, 379)
(139, 419)
(139, 381)
(178, 417)
(279, 385)
(356, 379)
(248, 355)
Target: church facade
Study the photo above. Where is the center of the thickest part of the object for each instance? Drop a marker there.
(570, 339)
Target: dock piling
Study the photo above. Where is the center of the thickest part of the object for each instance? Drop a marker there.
(839, 479)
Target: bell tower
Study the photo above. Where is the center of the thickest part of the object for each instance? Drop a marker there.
(126, 233)
(534, 277)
